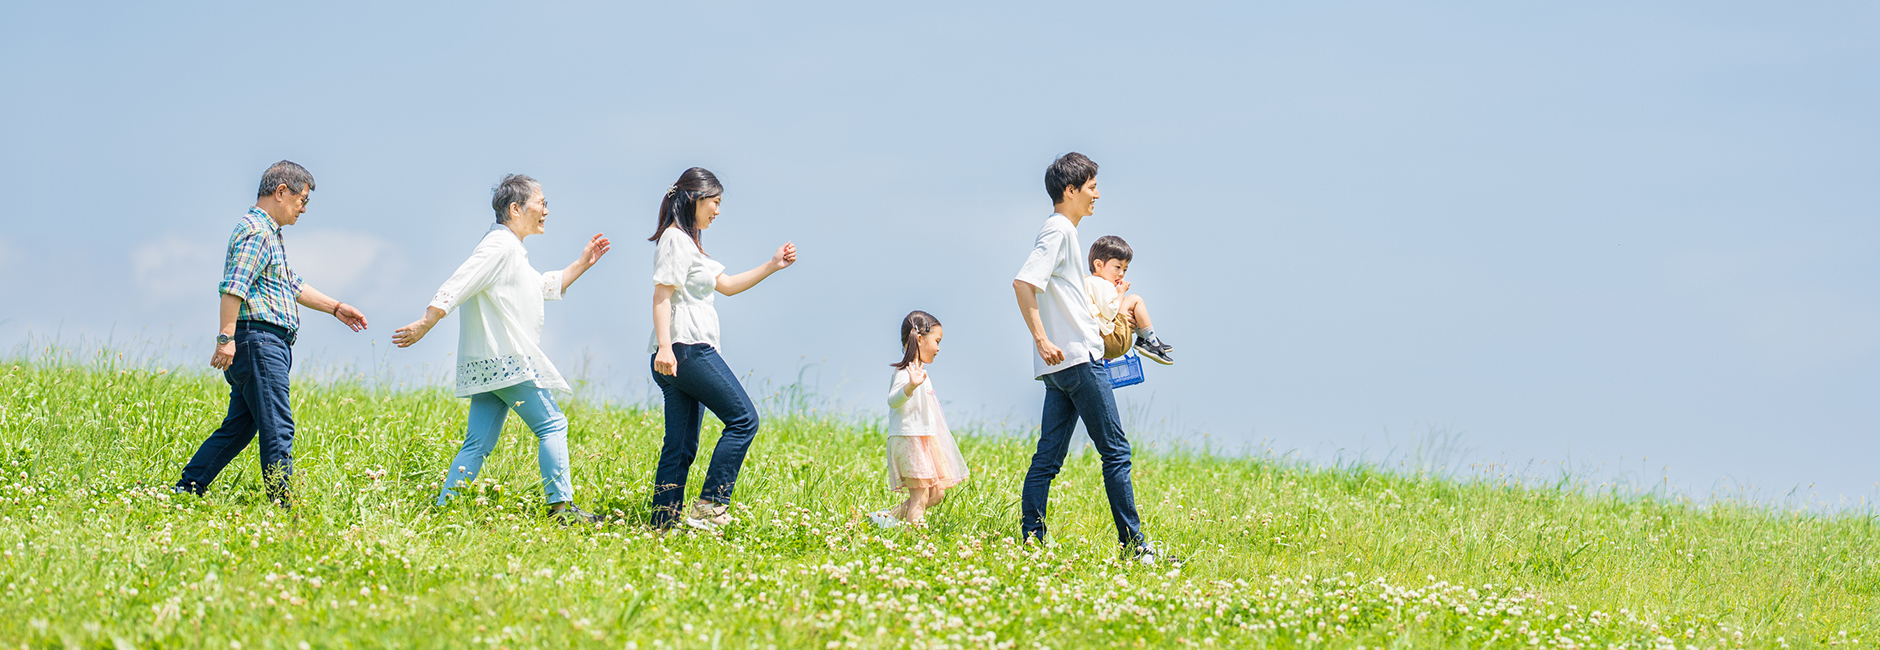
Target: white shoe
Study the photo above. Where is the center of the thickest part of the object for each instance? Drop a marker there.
(883, 520)
(705, 515)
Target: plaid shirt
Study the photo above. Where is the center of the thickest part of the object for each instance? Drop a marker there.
(256, 271)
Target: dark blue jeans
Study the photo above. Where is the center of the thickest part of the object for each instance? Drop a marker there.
(703, 381)
(257, 403)
(1082, 391)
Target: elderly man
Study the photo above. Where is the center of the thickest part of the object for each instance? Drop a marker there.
(254, 348)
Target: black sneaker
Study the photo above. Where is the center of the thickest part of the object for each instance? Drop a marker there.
(1148, 553)
(1156, 350)
(573, 515)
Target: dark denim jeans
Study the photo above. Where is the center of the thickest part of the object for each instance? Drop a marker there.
(703, 381)
(257, 403)
(1082, 391)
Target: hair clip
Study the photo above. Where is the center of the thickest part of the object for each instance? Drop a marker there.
(672, 189)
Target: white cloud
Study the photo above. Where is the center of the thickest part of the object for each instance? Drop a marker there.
(171, 266)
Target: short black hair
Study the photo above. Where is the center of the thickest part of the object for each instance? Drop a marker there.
(515, 189)
(1109, 247)
(286, 172)
(1069, 170)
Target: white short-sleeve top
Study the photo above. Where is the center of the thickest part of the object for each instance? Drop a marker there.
(694, 280)
(1056, 269)
(500, 325)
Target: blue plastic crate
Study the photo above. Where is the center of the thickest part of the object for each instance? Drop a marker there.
(1125, 370)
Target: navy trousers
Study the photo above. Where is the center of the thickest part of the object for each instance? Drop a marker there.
(1081, 391)
(257, 405)
(703, 382)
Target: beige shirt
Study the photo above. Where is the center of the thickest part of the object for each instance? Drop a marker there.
(1105, 301)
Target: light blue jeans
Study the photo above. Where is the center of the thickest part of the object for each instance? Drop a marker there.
(539, 411)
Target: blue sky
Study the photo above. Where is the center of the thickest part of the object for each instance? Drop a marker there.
(1602, 233)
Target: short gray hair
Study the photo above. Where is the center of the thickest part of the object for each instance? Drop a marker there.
(515, 189)
(285, 172)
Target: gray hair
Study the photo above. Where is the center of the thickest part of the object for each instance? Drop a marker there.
(515, 189)
(285, 172)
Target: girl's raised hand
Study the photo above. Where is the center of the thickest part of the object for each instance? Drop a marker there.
(786, 255)
(916, 374)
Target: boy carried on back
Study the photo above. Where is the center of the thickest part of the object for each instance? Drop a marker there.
(1119, 314)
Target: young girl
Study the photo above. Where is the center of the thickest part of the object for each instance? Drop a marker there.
(922, 457)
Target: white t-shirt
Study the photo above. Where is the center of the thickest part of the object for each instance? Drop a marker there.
(498, 297)
(1105, 302)
(1056, 270)
(694, 280)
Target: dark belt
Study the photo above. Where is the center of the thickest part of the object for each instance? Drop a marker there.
(264, 326)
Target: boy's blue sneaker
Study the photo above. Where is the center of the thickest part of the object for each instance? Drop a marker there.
(1156, 350)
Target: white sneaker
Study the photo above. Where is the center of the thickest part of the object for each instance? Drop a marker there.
(705, 515)
(883, 520)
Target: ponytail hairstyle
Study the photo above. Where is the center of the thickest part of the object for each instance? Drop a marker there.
(680, 207)
(917, 324)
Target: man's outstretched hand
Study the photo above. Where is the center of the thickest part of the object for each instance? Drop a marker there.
(351, 316)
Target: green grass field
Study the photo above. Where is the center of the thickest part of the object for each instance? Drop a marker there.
(97, 553)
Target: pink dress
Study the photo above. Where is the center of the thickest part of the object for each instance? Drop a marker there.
(921, 451)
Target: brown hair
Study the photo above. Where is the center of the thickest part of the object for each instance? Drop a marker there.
(917, 324)
(1109, 247)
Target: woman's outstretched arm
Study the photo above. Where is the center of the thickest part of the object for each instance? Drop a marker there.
(732, 285)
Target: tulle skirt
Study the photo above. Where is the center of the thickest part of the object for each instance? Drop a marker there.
(930, 461)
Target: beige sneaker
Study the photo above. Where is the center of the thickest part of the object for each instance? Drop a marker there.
(705, 515)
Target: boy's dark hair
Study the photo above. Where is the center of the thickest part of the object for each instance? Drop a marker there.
(285, 172)
(1069, 170)
(1109, 247)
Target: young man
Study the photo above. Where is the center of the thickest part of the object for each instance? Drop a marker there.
(1050, 289)
(254, 348)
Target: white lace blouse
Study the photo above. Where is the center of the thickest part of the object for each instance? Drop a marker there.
(500, 338)
(914, 415)
(694, 280)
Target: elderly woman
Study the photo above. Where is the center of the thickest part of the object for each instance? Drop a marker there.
(500, 364)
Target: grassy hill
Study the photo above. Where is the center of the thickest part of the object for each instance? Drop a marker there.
(97, 553)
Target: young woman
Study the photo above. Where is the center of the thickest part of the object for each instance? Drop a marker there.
(686, 365)
(500, 364)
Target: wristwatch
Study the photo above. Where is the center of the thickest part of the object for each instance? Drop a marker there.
(223, 339)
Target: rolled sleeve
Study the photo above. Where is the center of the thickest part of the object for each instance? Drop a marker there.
(471, 277)
(243, 264)
(1044, 258)
(551, 285)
